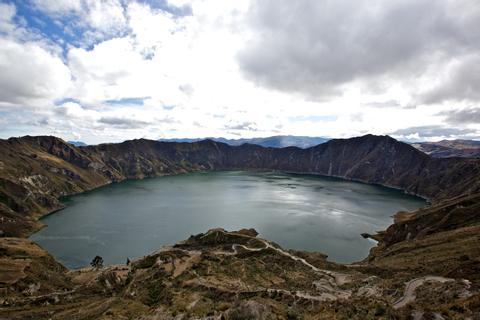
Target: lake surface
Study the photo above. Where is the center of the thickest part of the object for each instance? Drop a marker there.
(135, 217)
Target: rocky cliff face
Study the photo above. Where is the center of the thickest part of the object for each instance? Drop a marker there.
(372, 159)
(36, 171)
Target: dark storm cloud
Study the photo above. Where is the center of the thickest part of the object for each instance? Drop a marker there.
(432, 131)
(315, 47)
(463, 83)
(464, 116)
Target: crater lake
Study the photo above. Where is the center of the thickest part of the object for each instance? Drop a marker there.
(302, 212)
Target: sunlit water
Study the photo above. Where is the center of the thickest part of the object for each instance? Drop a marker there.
(133, 218)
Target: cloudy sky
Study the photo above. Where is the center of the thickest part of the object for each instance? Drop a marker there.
(111, 70)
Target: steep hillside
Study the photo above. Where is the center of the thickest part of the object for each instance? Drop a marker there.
(35, 172)
(441, 239)
(372, 159)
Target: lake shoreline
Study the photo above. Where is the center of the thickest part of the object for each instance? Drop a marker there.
(201, 175)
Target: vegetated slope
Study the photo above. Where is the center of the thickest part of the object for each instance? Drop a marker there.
(36, 171)
(234, 275)
(450, 148)
(441, 240)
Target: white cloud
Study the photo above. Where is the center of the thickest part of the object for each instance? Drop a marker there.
(7, 12)
(151, 28)
(30, 75)
(320, 48)
(115, 69)
(59, 7)
(106, 15)
(460, 81)
(73, 110)
(100, 18)
(145, 72)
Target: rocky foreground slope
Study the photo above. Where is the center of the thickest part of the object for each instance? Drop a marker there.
(425, 266)
(234, 275)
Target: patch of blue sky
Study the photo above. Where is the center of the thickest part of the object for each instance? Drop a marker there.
(63, 29)
(3, 115)
(52, 28)
(127, 101)
(65, 100)
(165, 6)
(327, 118)
(67, 29)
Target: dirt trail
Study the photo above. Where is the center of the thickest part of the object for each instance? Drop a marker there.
(339, 278)
(328, 284)
(412, 285)
(332, 280)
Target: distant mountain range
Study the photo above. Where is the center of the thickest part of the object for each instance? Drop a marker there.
(439, 149)
(77, 143)
(450, 148)
(272, 142)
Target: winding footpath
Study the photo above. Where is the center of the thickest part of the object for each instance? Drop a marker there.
(412, 285)
(328, 284)
(339, 278)
(334, 279)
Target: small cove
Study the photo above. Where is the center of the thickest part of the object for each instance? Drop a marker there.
(302, 212)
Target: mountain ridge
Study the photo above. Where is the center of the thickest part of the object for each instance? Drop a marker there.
(280, 141)
(46, 168)
(450, 148)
